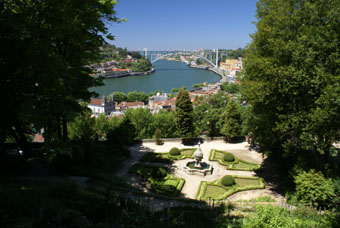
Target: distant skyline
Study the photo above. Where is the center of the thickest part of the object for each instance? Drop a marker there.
(184, 24)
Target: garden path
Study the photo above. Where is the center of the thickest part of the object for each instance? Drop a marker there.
(192, 182)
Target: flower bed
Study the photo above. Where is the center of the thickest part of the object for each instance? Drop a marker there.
(237, 164)
(166, 157)
(215, 190)
(160, 179)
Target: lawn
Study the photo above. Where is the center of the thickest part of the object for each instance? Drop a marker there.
(161, 180)
(215, 190)
(166, 157)
(238, 164)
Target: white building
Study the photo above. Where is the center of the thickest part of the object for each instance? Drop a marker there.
(104, 105)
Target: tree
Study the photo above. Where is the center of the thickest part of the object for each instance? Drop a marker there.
(46, 47)
(120, 96)
(313, 188)
(165, 121)
(232, 122)
(184, 116)
(292, 78)
(136, 55)
(141, 118)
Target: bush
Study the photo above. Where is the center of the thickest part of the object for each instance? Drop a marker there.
(159, 173)
(228, 157)
(175, 151)
(313, 188)
(228, 181)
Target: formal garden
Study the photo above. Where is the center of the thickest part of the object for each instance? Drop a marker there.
(162, 170)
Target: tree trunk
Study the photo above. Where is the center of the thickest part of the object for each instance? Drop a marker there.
(65, 131)
(58, 128)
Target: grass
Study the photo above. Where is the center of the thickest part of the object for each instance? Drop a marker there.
(215, 190)
(238, 164)
(161, 180)
(166, 157)
(259, 199)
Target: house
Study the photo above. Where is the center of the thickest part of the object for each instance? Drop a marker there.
(104, 105)
(126, 105)
(157, 98)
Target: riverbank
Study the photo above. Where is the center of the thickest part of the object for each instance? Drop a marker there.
(130, 74)
(216, 71)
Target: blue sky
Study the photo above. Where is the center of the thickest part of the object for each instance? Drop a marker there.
(184, 24)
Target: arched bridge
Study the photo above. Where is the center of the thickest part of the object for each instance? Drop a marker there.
(186, 52)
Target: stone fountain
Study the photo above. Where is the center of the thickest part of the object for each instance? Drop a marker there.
(197, 166)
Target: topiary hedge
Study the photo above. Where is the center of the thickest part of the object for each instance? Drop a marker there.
(175, 151)
(228, 181)
(228, 157)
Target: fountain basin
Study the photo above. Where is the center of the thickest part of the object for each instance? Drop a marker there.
(203, 170)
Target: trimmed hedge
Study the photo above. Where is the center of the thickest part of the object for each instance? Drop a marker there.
(160, 179)
(228, 157)
(229, 190)
(166, 157)
(175, 151)
(237, 164)
(228, 181)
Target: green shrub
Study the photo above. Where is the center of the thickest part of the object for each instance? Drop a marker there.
(175, 151)
(228, 157)
(228, 180)
(164, 189)
(313, 188)
(159, 173)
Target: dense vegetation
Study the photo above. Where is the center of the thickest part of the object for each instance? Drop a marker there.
(291, 81)
(44, 78)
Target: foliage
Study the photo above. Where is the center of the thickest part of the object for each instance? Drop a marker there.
(120, 97)
(63, 35)
(230, 87)
(165, 121)
(232, 123)
(313, 188)
(199, 85)
(160, 179)
(184, 115)
(269, 216)
(292, 79)
(235, 54)
(133, 96)
(227, 181)
(122, 134)
(228, 157)
(141, 119)
(142, 65)
(174, 151)
(83, 127)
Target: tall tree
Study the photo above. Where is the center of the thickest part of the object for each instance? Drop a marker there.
(46, 47)
(232, 123)
(292, 75)
(184, 116)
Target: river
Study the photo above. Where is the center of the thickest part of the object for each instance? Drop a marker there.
(168, 75)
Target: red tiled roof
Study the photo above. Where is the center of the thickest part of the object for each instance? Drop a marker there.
(96, 101)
